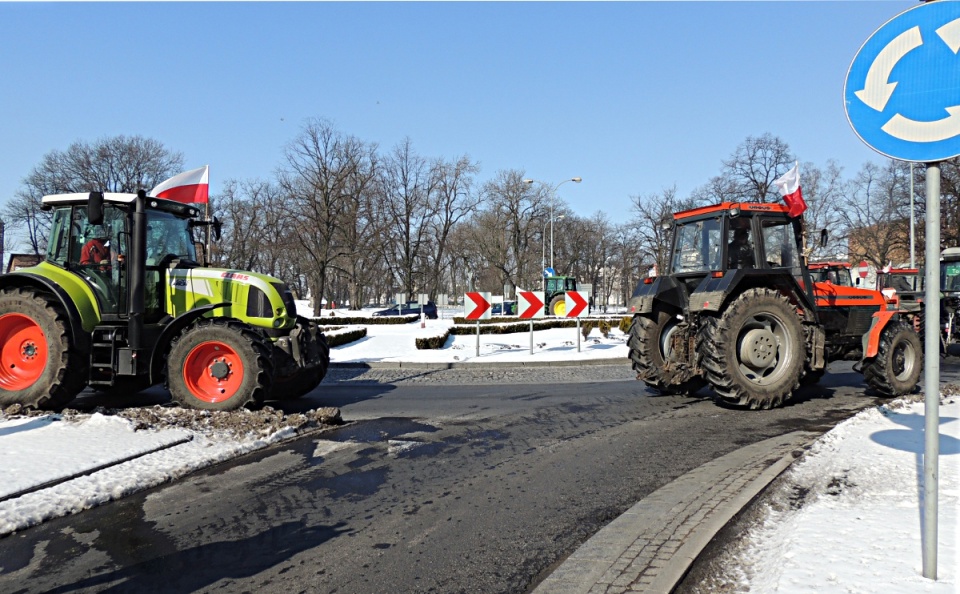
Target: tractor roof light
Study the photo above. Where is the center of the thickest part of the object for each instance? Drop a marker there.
(734, 212)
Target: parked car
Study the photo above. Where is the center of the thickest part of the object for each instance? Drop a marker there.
(507, 308)
(406, 309)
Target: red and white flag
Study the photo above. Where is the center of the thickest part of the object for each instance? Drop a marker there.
(189, 187)
(789, 184)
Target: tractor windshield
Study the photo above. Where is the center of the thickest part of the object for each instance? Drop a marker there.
(697, 247)
(168, 234)
(950, 276)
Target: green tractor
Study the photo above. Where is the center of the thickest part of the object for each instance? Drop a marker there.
(555, 293)
(122, 300)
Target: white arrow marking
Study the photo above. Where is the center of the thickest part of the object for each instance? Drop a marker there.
(914, 131)
(876, 91)
(950, 34)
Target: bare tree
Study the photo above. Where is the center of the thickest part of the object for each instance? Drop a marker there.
(407, 188)
(116, 164)
(325, 174)
(755, 163)
(454, 202)
(823, 190)
(874, 215)
(653, 215)
(506, 232)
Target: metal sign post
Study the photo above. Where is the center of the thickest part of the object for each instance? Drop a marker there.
(931, 376)
(530, 305)
(577, 305)
(896, 96)
(476, 307)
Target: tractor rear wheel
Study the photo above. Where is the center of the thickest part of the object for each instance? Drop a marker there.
(41, 364)
(558, 306)
(219, 364)
(654, 359)
(896, 369)
(753, 353)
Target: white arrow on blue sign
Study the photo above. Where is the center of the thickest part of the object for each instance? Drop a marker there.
(902, 92)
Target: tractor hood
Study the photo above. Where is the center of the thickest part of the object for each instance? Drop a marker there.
(257, 299)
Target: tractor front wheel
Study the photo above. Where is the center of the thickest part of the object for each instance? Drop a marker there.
(304, 379)
(219, 364)
(558, 306)
(41, 364)
(896, 369)
(656, 361)
(753, 353)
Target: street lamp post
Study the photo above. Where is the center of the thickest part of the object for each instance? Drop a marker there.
(553, 193)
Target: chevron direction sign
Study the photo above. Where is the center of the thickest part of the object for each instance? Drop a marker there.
(530, 304)
(476, 306)
(576, 302)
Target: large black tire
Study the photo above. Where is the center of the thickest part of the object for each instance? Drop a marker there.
(306, 379)
(558, 306)
(896, 369)
(922, 332)
(652, 355)
(219, 364)
(753, 354)
(41, 363)
(811, 377)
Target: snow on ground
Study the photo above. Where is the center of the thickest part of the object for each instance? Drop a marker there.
(390, 343)
(844, 519)
(847, 518)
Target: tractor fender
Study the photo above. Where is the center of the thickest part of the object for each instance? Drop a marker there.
(77, 321)
(661, 288)
(171, 331)
(871, 340)
(713, 293)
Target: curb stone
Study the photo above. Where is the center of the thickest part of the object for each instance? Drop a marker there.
(650, 547)
(468, 365)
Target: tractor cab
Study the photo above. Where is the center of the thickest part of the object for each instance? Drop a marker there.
(96, 244)
(718, 248)
(835, 273)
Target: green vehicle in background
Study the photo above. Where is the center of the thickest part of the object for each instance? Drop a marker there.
(555, 293)
(949, 296)
(122, 300)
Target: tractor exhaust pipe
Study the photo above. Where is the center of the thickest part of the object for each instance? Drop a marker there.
(137, 277)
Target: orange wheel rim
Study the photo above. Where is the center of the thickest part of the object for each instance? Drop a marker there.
(213, 372)
(23, 352)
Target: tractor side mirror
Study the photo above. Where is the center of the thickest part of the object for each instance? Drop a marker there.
(823, 238)
(217, 228)
(95, 208)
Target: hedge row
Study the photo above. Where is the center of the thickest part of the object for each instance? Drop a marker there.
(337, 338)
(367, 321)
(433, 342)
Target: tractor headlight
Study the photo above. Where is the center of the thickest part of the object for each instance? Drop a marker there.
(278, 322)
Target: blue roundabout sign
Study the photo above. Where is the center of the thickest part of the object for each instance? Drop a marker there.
(902, 92)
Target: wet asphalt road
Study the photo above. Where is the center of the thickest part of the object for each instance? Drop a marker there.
(481, 487)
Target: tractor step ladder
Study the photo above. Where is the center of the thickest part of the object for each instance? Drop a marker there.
(103, 355)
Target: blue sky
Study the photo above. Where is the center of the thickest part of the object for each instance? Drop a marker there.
(632, 97)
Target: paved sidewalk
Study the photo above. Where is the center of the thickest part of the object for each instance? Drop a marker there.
(650, 547)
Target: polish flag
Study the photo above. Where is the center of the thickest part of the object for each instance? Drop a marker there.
(189, 187)
(789, 184)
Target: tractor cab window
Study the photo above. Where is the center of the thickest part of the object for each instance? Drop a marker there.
(697, 247)
(780, 244)
(98, 253)
(950, 276)
(170, 235)
(740, 244)
(58, 248)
